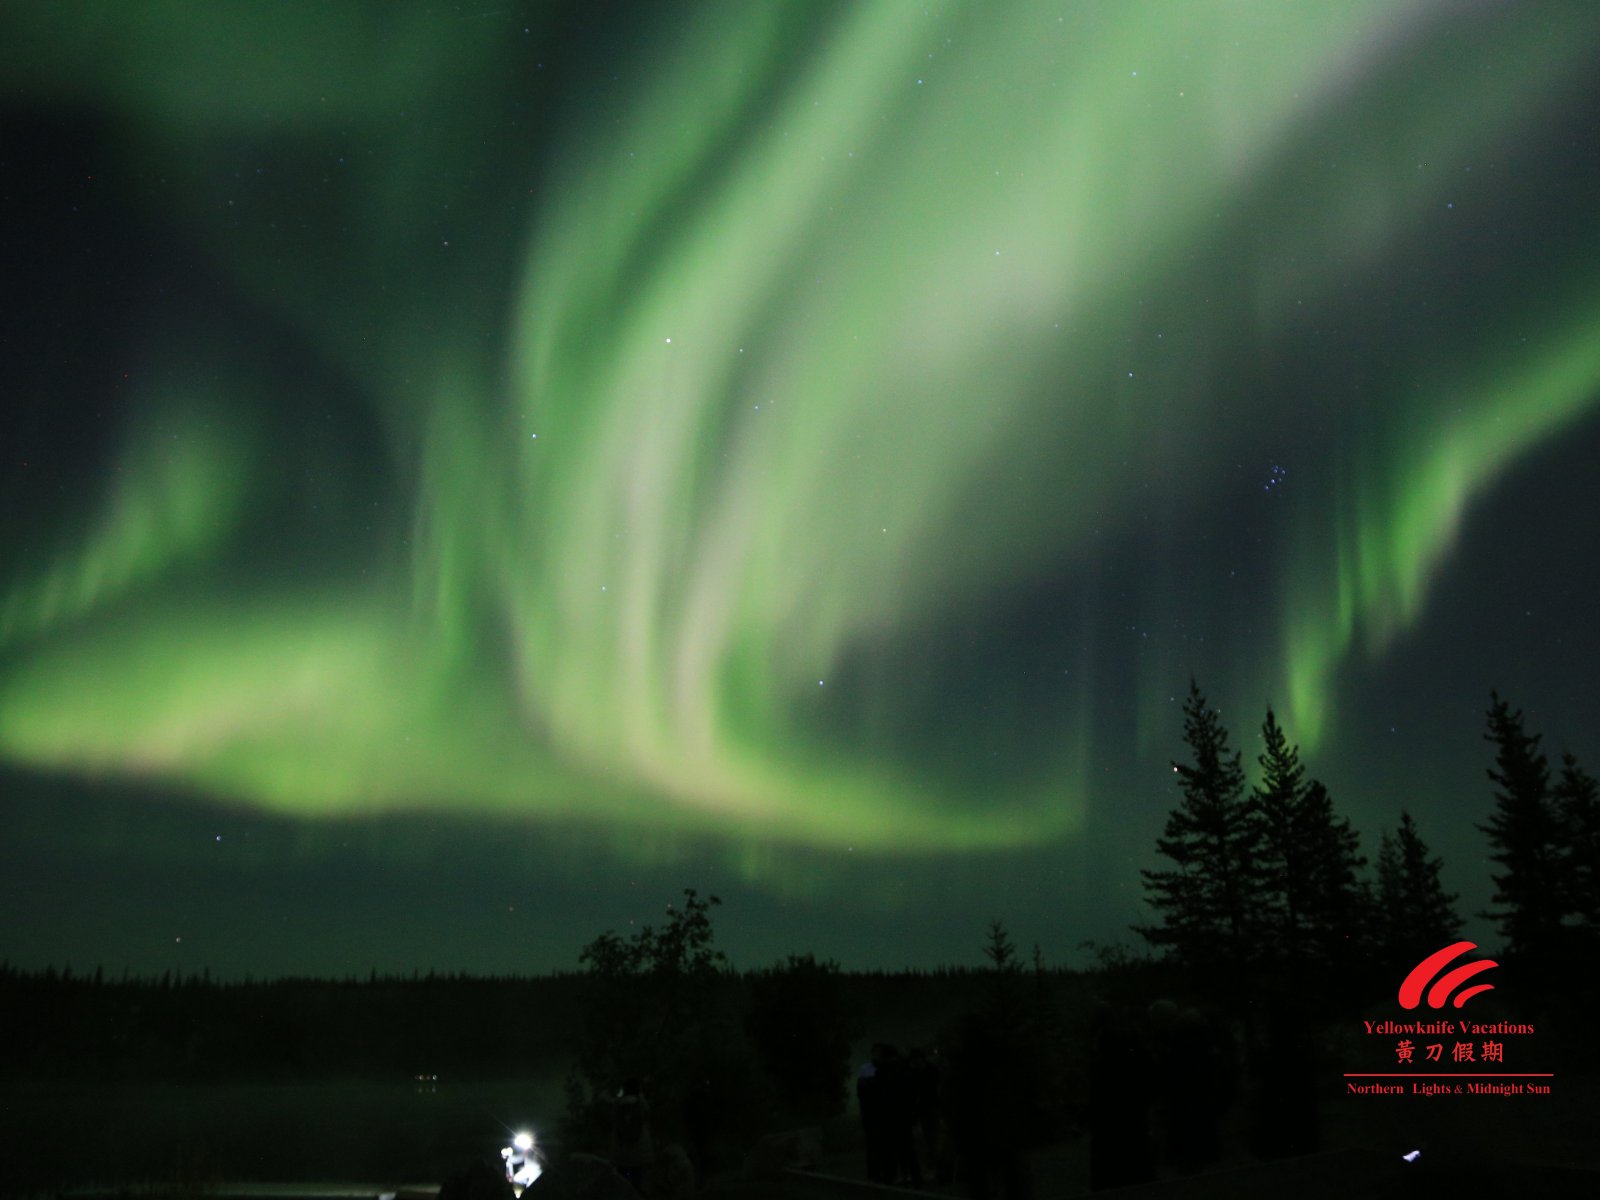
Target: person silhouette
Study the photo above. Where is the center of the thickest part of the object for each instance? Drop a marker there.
(631, 1149)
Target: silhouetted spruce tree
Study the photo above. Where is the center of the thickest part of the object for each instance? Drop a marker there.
(1000, 950)
(1577, 799)
(1007, 967)
(1415, 915)
(1285, 852)
(1525, 836)
(1309, 861)
(1208, 902)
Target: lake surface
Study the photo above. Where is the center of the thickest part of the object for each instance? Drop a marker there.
(78, 1134)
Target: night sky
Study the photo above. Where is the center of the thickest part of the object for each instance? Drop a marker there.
(469, 471)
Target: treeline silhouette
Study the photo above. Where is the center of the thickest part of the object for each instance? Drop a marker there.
(1267, 889)
(192, 1028)
(66, 1024)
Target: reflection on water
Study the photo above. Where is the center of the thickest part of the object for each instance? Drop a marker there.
(76, 1134)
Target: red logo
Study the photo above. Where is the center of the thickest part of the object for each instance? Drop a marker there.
(1423, 972)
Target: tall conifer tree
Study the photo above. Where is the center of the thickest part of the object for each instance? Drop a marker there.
(1208, 902)
(1525, 837)
(1577, 799)
(1309, 860)
(1415, 915)
(1283, 861)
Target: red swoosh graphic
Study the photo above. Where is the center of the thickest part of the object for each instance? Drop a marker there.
(1440, 990)
(1473, 991)
(1411, 989)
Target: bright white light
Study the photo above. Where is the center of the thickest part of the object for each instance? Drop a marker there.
(1413, 1156)
(522, 1164)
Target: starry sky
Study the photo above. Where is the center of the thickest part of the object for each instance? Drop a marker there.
(469, 471)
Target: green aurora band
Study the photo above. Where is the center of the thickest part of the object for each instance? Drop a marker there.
(715, 401)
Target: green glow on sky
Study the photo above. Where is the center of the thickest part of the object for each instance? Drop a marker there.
(1396, 530)
(724, 403)
(180, 487)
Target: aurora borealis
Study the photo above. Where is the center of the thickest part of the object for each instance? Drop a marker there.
(531, 458)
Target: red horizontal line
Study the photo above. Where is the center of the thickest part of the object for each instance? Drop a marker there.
(1449, 1074)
